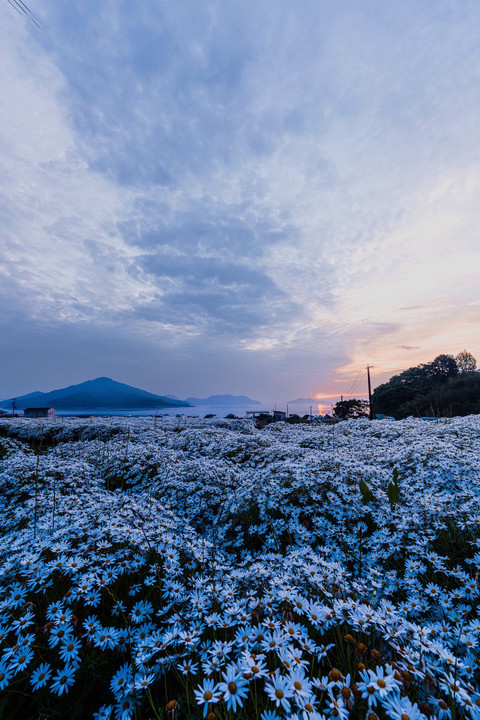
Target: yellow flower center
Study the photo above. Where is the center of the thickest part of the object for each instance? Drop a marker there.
(207, 695)
(232, 688)
(279, 694)
(297, 685)
(381, 683)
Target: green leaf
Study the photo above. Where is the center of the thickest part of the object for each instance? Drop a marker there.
(365, 490)
(393, 489)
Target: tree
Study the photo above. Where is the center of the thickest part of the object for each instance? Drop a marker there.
(445, 386)
(465, 362)
(351, 409)
(443, 367)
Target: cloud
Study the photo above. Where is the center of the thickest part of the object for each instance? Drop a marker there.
(275, 191)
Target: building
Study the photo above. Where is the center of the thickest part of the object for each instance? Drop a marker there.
(39, 412)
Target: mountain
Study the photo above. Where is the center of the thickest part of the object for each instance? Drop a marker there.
(99, 393)
(223, 400)
(304, 401)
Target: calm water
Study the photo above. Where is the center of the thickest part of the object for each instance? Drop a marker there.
(198, 410)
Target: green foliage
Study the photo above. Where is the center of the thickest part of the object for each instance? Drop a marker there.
(393, 489)
(434, 388)
(454, 540)
(351, 409)
(365, 490)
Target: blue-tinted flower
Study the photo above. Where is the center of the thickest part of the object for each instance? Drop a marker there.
(125, 709)
(5, 674)
(17, 596)
(120, 684)
(377, 685)
(143, 681)
(23, 622)
(69, 650)
(105, 638)
(63, 680)
(91, 625)
(398, 708)
(234, 687)
(299, 683)
(104, 713)
(207, 692)
(93, 597)
(21, 659)
(441, 708)
(188, 667)
(279, 690)
(141, 611)
(41, 676)
(59, 634)
(269, 715)
(336, 706)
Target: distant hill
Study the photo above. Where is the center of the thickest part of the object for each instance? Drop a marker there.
(223, 400)
(99, 393)
(304, 401)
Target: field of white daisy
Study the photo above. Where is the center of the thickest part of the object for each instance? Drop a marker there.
(185, 569)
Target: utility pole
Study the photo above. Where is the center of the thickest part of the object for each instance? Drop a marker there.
(370, 413)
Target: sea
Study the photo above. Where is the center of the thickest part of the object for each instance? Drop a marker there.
(219, 411)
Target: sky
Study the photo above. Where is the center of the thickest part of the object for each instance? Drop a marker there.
(247, 197)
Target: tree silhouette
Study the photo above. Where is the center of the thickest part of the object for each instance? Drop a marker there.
(351, 409)
(465, 362)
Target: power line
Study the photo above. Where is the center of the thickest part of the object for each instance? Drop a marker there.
(349, 394)
(23, 10)
(22, 4)
(15, 7)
